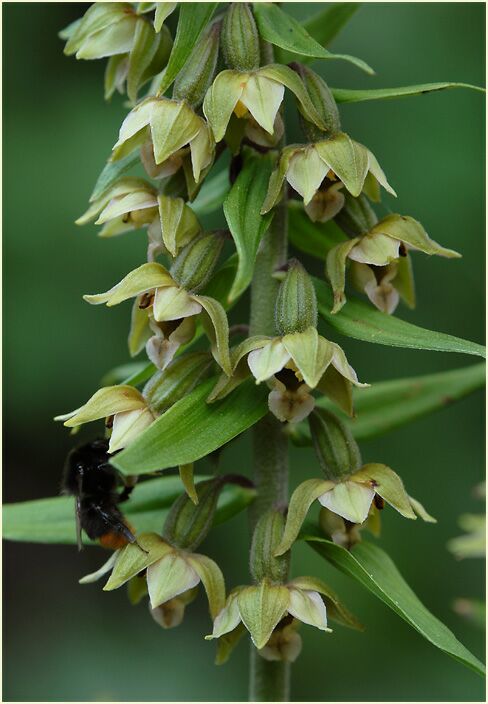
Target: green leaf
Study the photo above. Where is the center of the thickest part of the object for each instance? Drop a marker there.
(122, 372)
(242, 211)
(192, 428)
(347, 95)
(371, 567)
(53, 520)
(111, 172)
(391, 404)
(325, 25)
(314, 238)
(212, 193)
(362, 322)
(280, 29)
(193, 19)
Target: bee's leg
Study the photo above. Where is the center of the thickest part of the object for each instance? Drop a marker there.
(129, 484)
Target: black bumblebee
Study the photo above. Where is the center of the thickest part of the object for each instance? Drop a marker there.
(93, 482)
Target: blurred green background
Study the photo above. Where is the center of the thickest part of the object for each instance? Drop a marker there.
(67, 642)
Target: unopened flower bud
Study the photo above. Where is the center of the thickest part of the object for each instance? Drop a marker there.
(266, 538)
(356, 216)
(240, 38)
(198, 73)
(187, 524)
(323, 102)
(195, 263)
(336, 449)
(177, 380)
(296, 303)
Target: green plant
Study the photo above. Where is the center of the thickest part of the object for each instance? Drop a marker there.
(292, 358)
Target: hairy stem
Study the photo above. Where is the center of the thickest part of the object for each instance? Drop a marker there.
(269, 681)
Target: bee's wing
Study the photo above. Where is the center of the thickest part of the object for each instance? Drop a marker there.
(115, 522)
(78, 522)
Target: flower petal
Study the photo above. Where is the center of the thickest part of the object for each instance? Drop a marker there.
(305, 173)
(106, 567)
(347, 159)
(301, 500)
(406, 229)
(221, 99)
(217, 329)
(212, 580)
(144, 278)
(105, 402)
(339, 361)
(277, 178)
(262, 608)
(127, 426)
(227, 619)
(137, 200)
(173, 303)
(336, 271)
(173, 125)
(388, 485)
(378, 173)
(262, 97)
(376, 249)
(268, 360)
(131, 559)
(168, 577)
(349, 500)
(311, 353)
(308, 607)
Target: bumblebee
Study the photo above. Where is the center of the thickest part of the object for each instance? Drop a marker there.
(93, 482)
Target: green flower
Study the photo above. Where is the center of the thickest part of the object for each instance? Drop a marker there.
(292, 365)
(337, 158)
(350, 497)
(165, 301)
(258, 93)
(380, 265)
(174, 128)
(261, 608)
(132, 203)
(126, 408)
(171, 575)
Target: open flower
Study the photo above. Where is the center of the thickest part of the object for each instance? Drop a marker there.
(258, 93)
(338, 158)
(174, 129)
(293, 365)
(106, 29)
(380, 265)
(168, 301)
(132, 203)
(171, 576)
(261, 608)
(128, 204)
(350, 497)
(125, 408)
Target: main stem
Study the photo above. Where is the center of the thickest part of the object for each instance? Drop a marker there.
(269, 681)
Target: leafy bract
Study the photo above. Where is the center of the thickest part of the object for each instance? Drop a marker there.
(374, 569)
(242, 211)
(347, 95)
(192, 428)
(313, 238)
(390, 404)
(193, 19)
(111, 172)
(212, 193)
(280, 29)
(362, 322)
(53, 520)
(326, 24)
